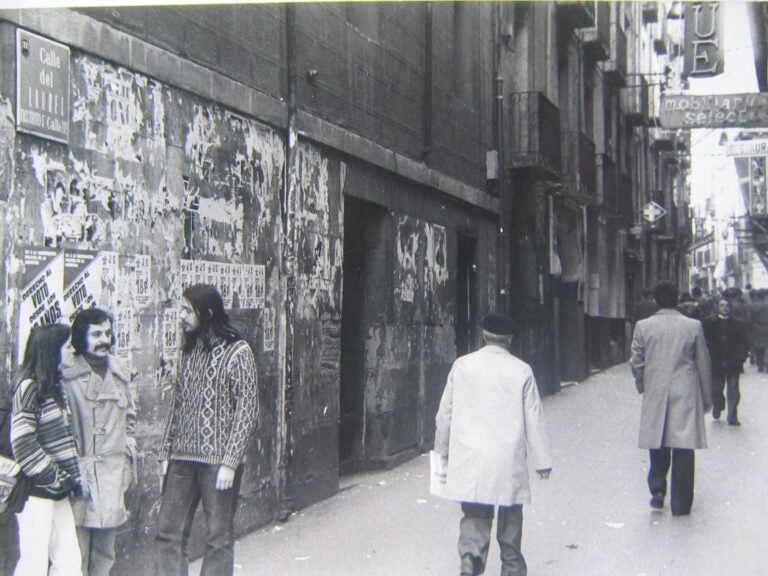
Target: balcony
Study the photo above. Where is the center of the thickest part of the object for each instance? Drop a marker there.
(534, 136)
(597, 40)
(650, 12)
(575, 15)
(578, 165)
(634, 100)
(616, 65)
(606, 182)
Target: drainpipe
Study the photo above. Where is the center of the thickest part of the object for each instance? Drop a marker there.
(285, 396)
(505, 200)
(428, 80)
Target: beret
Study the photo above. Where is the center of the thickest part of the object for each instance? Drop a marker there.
(500, 324)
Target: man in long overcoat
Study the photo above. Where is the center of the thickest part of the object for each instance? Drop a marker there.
(103, 421)
(489, 424)
(671, 366)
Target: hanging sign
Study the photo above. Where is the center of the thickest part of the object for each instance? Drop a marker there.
(704, 55)
(653, 212)
(42, 81)
(714, 110)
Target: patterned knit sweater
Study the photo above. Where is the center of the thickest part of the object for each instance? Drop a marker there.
(215, 405)
(43, 444)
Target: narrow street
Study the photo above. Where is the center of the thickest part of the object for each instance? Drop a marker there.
(591, 518)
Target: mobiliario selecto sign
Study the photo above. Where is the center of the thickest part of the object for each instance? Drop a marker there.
(714, 111)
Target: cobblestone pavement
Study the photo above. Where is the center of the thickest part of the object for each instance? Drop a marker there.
(590, 519)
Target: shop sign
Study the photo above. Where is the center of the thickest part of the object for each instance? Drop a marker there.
(704, 55)
(747, 148)
(714, 111)
(42, 95)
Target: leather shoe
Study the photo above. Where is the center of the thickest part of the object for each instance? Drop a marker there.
(734, 422)
(657, 500)
(716, 414)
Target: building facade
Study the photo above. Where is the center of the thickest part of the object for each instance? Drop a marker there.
(361, 181)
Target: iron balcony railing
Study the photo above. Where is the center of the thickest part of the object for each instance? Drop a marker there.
(597, 39)
(578, 165)
(650, 12)
(574, 15)
(534, 136)
(616, 65)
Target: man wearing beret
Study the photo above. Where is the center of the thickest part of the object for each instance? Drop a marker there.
(489, 424)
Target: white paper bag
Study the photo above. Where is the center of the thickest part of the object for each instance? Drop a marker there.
(437, 474)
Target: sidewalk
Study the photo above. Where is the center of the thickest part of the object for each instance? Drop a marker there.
(590, 519)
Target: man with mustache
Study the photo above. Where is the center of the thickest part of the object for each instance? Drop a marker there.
(103, 421)
(213, 416)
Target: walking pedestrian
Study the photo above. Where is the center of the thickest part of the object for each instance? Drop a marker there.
(489, 424)
(214, 412)
(44, 447)
(728, 349)
(104, 418)
(671, 366)
(758, 327)
(704, 304)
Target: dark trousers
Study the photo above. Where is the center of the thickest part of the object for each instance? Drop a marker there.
(9, 544)
(185, 485)
(729, 383)
(759, 355)
(681, 485)
(475, 538)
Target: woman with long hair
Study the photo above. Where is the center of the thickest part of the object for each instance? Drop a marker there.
(44, 447)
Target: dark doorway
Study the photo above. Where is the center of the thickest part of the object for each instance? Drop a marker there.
(363, 269)
(466, 277)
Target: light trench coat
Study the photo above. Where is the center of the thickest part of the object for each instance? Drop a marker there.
(671, 365)
(104, 420)
(488, 425)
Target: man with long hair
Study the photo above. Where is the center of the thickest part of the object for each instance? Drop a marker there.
(213, 416)
(104, 421)
(44, 448)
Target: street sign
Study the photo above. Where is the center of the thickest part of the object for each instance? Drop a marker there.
(652, 212)
(714, 111)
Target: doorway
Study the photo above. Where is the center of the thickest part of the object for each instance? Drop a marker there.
(364, 269)
(466, 304)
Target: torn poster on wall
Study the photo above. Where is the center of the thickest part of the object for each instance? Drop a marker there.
(171, 334)
(269, 329)
(408, 238)
(240, 285)
(83, 281)
(123, 330)
(42, 293)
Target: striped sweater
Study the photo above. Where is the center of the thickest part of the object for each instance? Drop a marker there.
(42, 442)
(215, 405)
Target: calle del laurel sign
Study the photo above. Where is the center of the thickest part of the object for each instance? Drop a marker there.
(714, 111)
(42, 87)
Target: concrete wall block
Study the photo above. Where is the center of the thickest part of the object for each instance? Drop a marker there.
(130, 19)
(165, 27)
(201, 44)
